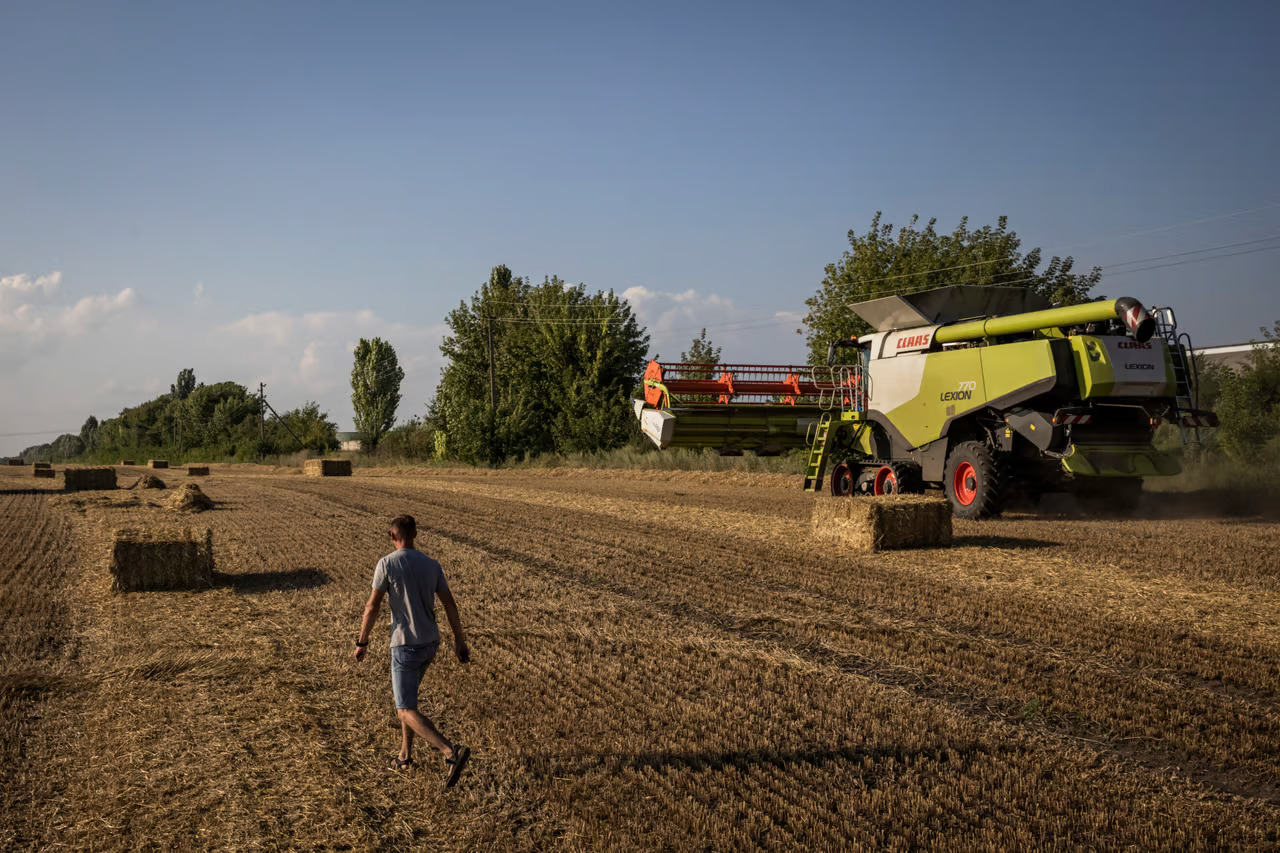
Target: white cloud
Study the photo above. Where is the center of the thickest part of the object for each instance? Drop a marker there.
(308, 356)
(33, 319)
(92, 311)
(674, 318)
(273, 326)
(13, 285)
(198, 297)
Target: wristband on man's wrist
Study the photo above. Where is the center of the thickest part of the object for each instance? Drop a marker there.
(360, 644)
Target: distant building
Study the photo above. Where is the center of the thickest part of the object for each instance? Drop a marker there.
(349, 440)
(1232, 355)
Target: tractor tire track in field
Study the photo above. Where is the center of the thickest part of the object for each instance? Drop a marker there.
(33, 623)
(922, 658)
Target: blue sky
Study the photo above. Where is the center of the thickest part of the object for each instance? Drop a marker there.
(248, 188)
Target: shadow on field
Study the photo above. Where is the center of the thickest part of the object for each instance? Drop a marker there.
(283, 579)
(1011, 543)
(548, 766)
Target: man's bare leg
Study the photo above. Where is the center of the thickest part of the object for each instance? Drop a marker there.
(406, 741)
(410, 722)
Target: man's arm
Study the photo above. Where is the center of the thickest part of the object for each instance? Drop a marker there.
(366, 624)
(455, 624)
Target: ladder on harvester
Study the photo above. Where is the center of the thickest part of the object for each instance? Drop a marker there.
(816, 466)
(1180, 354)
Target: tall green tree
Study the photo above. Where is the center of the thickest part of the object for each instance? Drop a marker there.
(565, 361)
(701, 351)
(881, 262)
(89, 433)
(186, 383)
(375, 389)
(1248, 400)
(311, 426)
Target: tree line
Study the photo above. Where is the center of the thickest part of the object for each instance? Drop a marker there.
(550, 367)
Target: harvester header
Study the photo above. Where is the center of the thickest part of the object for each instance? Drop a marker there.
(981, 391)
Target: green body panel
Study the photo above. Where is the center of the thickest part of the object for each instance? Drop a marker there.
(1120, 462)
(1096, 369)
(963, 381)
(1017, 324)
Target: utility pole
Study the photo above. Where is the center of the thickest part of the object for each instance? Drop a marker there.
(262, 411)
(493, 392)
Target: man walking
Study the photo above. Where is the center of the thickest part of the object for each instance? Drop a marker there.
(411, 581)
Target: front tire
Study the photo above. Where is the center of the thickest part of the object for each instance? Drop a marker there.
(973, 481)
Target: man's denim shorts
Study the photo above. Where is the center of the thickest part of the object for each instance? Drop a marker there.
(407, 665)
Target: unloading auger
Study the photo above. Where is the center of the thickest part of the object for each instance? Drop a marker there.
(984, 392)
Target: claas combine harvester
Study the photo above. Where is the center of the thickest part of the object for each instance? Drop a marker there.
(985, 392)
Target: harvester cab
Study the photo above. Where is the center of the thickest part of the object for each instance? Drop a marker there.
(984, 392)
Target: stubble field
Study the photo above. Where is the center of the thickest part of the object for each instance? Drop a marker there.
(660, 661)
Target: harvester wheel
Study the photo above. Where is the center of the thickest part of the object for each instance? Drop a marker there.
(896, 479)
(973, 481)
(842, 480)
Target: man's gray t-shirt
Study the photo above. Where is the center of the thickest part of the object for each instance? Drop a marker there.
(411, 580)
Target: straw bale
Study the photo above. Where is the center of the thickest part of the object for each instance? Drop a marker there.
(157, 463)
(866, 523)
(161, 559)
(127, 462)
(17, 462)
(89, 479)
(43, 473)
(189, 498)
(197, 470)
(147, 481)
(41, 464)
(327, 468)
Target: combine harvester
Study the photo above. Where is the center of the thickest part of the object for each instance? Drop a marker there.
(984, 392)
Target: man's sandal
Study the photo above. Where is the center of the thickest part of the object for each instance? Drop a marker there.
(459, 761)
(396, 763)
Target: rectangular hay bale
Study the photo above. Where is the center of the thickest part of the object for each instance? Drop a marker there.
(41, 464)
(17, 462)
(197, 470)
(89, 479)
(127, 462)
(867, 524)
(327, 468)
(161, 559)
(43, 473)
(157, 463)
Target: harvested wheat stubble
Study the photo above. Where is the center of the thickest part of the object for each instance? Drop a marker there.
(161, 559)
(42, 473)
(41, 465)
(327, 468)
(127, 462)
(89, 479)
(147, 481)
(157, 463)
(189, 498)
(197, 470)
(883, 523)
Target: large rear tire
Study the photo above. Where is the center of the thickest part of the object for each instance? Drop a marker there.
(973, 481)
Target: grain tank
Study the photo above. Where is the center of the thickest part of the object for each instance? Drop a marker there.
(984, 392)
